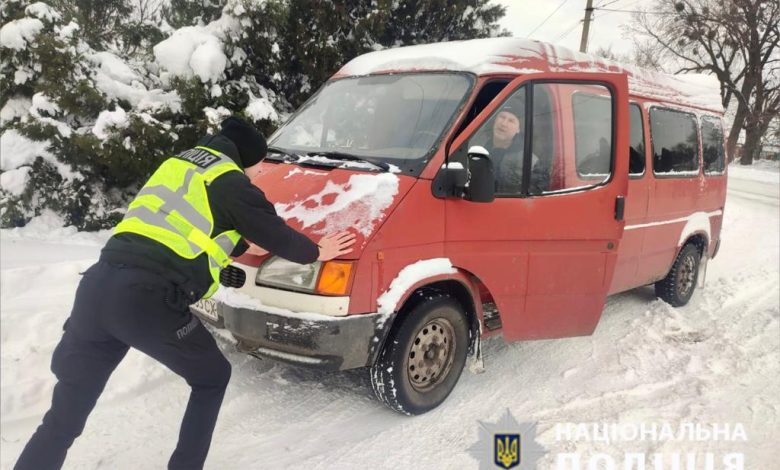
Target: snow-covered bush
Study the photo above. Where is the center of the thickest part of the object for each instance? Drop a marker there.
(210, 67)
(80, 127)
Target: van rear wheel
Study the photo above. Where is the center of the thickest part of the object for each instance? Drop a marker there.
(423, 357)
(678, 286)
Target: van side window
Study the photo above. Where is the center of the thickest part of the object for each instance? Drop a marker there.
(503, 136)
(636, 154)
(592, 135)
(712, 145)
(675, 142)
(571, 133)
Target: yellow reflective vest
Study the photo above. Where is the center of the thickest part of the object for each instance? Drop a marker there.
(173, 209)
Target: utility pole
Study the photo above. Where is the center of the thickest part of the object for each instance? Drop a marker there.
(586, 26)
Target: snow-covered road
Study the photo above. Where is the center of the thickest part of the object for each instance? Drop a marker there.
(761, 191)
(716, 360)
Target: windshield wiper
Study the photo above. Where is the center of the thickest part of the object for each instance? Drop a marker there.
(349, 157)
(287, 156)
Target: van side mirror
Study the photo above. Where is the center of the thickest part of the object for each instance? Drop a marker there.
(450, 181)
(481, 186)
(456, 179)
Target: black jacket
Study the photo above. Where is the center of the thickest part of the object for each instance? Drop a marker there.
(508, 165)
(235, 204)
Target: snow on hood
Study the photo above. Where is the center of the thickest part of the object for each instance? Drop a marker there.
(322, 201)
(524, 56)
(357, 204)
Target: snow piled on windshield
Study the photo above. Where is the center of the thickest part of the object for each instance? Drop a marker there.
(356, 205)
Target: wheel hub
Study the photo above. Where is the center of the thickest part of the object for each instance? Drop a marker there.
(431, 354)
(687, 275)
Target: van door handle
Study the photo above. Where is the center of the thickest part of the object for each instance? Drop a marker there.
(620, 207)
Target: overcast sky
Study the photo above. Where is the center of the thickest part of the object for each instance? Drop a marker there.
(564, 27)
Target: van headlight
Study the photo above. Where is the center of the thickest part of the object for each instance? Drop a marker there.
(278, 272)
(329, 278)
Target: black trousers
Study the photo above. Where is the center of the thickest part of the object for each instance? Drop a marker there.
(118, 307)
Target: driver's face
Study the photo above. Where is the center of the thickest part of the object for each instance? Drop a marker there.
(506, 127)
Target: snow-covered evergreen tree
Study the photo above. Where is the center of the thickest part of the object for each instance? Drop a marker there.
(225, 67)
(180, 13)
(80, 126)
(425, 21)
(319, 36)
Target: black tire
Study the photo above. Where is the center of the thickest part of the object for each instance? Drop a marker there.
(677, 287)
(419, 337)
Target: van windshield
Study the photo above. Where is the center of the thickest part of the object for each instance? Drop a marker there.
(392, 119)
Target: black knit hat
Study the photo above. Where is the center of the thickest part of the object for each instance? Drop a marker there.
(514, 109)
(250, 143)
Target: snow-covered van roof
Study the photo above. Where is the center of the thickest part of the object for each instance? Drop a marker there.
(523, 56)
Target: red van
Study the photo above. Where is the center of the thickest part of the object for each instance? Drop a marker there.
(497, 186)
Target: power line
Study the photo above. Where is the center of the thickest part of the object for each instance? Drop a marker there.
(568, 31)
(548, 17)
(629, 5)
(607, 4)
(635, 11)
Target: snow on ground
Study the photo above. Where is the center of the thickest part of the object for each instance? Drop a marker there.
(763, 171)
(713, 361)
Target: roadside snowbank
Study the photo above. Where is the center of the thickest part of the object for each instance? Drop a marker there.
(51, 227)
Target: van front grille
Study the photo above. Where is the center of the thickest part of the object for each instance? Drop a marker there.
(232, 276)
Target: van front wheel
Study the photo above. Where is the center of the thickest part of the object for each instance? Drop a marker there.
(678, 286)
(423, 357)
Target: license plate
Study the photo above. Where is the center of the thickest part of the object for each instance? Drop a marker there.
(208, 308)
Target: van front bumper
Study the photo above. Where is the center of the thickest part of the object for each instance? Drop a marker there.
(312, 340)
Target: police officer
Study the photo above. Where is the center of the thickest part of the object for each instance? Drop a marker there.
(195, 212)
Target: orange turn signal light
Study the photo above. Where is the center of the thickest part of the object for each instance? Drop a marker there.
(334, 278)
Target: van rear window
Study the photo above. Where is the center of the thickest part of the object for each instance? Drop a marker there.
(675, 142)
(712, 145)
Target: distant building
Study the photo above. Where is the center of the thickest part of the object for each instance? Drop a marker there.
(770, 151)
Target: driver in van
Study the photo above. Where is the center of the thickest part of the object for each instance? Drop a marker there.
(506, 151)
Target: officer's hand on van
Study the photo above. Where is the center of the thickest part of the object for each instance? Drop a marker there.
(334, 245)
(256, 250)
